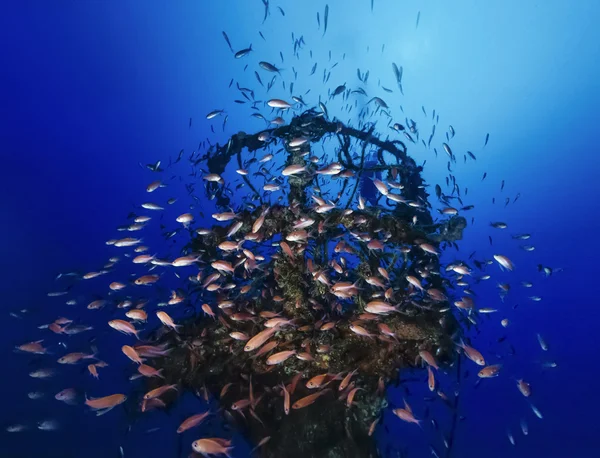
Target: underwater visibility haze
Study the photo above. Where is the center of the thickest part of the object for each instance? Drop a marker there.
(359, 228)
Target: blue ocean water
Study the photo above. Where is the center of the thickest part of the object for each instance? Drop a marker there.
(90, 89)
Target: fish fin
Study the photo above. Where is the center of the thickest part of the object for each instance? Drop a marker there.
(103, 411)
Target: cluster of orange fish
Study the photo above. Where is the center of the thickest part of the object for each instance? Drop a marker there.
(240, 262)
(231, 279)
(221, 269)
(228, 284)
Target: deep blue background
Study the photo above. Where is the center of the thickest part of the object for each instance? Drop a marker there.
(90, 88)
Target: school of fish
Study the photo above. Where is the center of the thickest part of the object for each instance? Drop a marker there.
(225, 287)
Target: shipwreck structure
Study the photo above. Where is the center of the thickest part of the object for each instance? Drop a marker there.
(287, 284)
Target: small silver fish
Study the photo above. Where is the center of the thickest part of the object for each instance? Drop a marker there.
(48, 425)
(510, 437)
(16, 428)
(524, 427)
(536, 411)
(543, 344)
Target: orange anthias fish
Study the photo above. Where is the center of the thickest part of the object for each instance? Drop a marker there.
(105, 404)
(167, 320)
(74, 358)
(241, 404)
(266, 348)
(280, 357)
(136, 315)
(152, 351)
(373, 426)
(308, 400)
(316, 382)
(33, 347)
(490, 371)
(185, 261)
(147, 280)
(208, 310)
(68, 396)
(259, 339)
(406, 414)
(428, 358)
(150, 404)
(344, 383)
(430, 379)
(472, 354)
(360, 331)
(93, 370)
(123, 326)
(149, 371)
(192, 421)
(286, 399)
(380, 308)
(351, 395)
(132, 354)
(159, 391)
(212, 446)
(524, 388)
(222, 266)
